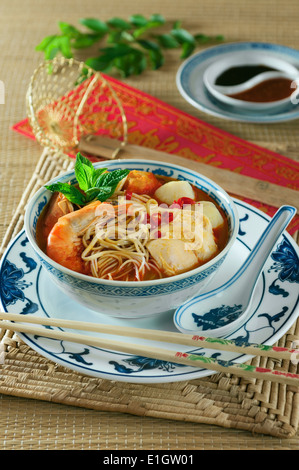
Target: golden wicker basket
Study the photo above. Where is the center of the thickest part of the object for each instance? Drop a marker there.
(67, 100)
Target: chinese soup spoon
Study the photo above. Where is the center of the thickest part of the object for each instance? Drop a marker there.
(220, 311)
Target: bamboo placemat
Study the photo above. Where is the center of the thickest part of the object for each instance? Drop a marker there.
(222, 399)
(46, 425)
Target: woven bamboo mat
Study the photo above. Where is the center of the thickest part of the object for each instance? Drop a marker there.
(232, 405)
(223, 400)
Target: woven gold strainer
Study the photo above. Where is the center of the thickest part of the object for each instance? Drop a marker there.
(67, 100)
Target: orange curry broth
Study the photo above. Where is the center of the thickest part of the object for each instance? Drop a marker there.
(221, 233)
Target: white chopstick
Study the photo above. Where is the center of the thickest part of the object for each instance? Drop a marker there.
(179, 357)
(194, 340)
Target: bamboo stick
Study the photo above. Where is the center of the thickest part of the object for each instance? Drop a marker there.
(193, 340)
(173, 356)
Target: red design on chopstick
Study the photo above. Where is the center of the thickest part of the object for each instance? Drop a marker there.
(277, 372)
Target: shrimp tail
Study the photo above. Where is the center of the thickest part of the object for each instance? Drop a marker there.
(65, 254)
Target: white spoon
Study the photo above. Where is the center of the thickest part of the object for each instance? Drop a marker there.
(223, 309)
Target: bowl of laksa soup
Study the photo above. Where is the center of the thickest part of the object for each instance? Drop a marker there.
(131, 238)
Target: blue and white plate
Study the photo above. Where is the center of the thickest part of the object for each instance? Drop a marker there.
(191, 85)
(26, 288)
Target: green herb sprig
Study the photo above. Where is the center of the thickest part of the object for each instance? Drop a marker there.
(94, 183)
(131, 45)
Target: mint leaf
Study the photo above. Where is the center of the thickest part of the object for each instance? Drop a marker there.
(72, 193)
(84, 172)
(94, 183)
(111, 178)
(96, 175)
(101, 194)
(105, 184)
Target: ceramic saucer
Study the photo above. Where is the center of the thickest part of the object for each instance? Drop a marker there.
(190, 81)
(26, 288)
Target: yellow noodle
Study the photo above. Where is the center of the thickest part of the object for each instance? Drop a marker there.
(116, 249)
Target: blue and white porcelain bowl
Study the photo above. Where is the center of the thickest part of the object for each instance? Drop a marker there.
(134, 299)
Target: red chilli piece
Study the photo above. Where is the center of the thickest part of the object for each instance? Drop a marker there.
(129, 195)
(184, 201)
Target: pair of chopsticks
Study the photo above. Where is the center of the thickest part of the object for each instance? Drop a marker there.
(189, 359)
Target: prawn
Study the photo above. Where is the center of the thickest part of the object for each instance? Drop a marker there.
(57, 207)
(64, 244)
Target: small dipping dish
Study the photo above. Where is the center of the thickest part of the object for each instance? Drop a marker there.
(252, 81)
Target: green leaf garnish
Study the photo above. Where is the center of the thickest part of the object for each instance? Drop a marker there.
(131, 46)
(111, 178)
(157, 18)
(72, 193)
(84, 171)
(138, 20)
(168, 41)
(94, 183)
(95, 25)
(101, 194)
(119, 23)
(182, 36)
